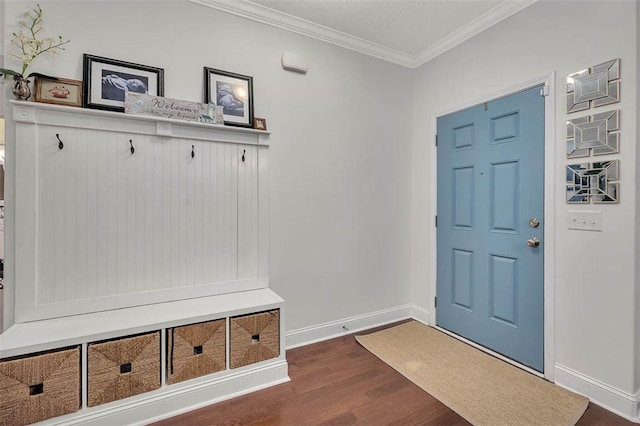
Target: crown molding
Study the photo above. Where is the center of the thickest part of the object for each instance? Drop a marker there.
(265, 15)
(301, 26)
(475, 27)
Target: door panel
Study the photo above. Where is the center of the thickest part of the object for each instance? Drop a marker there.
(462, 278)
(490, 183)
(463, 197)
(503, 288)
(504, 196)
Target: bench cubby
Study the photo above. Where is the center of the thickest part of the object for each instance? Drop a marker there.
(123, 367)
(196, 350)
(40, 386)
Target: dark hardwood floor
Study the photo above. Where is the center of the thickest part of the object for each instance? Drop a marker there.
(338, 382)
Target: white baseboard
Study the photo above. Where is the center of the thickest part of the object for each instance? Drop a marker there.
(421, 314)
(329, 330)
(622, 403)
(180, 398)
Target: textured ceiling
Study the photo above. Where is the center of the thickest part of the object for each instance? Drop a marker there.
(409, 26)
(406, 32)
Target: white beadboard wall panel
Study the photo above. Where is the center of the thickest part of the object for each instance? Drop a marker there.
(227, 223)
(248, 212)
(198, 173)
(152, 199)
(263, 217)
(25, 223)
(202, 190)
(176, 219)
(48, 216)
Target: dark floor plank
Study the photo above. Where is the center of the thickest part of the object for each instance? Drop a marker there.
(596, 415)
(338, 382)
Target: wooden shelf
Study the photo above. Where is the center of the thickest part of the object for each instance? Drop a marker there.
(65, 116)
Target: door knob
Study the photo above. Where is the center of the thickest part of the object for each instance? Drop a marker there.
(533, 242)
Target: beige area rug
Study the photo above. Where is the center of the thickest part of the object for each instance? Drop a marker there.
(481, 388)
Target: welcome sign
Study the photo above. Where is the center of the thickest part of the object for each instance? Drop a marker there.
(139, 103)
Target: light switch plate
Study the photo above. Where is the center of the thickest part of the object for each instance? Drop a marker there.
(584, 221)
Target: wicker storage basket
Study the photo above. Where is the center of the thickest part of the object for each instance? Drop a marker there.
(196, 350)
(254, 338)
(39, 386)
(124, 367)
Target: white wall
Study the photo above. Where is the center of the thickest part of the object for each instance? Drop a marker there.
(637, 118)
(2, 87)
(596, 317)
(2, 63)
(340, 153)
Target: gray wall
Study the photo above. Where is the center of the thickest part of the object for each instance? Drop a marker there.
(340, 148)
(637, 120)
(595, 272)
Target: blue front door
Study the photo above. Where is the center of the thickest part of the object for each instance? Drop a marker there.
(490, 286)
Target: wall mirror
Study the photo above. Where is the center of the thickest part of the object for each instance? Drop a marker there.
(593, 180)
(598, 133)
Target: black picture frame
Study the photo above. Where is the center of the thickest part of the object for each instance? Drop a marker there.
(234, 92)
(105, 81)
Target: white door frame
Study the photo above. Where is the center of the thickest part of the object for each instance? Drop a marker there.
(549, 209)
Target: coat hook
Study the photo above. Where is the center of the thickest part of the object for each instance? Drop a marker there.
(132, 148)
(60, 145)
(193, 154)
(243, 151)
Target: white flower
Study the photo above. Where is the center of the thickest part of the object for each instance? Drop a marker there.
(28, 44)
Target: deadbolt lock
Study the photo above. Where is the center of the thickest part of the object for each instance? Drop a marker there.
(534, 223)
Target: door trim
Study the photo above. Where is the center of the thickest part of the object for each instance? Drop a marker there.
(549, 207)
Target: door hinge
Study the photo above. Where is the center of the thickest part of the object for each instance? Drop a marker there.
(435, 302)
(544, 91)
(436, 221)
(436, 140)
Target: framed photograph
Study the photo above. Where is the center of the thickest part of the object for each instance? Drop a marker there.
(59, 91)
(260, 123)
(107, 80)
(234, 92)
